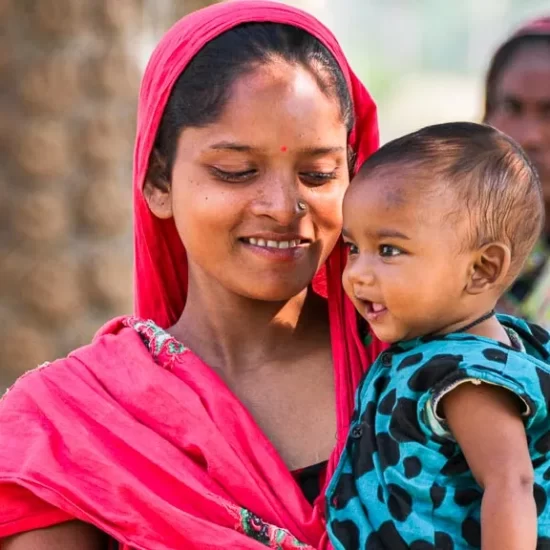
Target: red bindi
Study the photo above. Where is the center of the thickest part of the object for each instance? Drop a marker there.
(284, 148)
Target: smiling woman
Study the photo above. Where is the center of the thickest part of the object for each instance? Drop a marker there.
(236, 159)
(212, 417)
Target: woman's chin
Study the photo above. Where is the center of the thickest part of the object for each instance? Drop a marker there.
(274, 291)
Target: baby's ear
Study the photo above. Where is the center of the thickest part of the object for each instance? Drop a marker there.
(157, 189)
(489, 268)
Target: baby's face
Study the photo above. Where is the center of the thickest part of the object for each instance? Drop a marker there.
(406, 271)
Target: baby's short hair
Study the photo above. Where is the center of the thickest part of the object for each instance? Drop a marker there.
(496, 185)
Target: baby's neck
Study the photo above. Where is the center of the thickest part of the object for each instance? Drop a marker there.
(489, 328)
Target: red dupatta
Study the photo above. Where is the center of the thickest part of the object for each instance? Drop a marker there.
(164, 458)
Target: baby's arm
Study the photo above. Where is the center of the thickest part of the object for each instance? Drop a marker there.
(485, 421)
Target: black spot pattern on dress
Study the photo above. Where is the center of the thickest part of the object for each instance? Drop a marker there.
(540, 498)
(404, 425)
(542, 445)
(374, 542)
(386, 405)
(346, 532)
(437, 494)
(471, 532)
(443, 541)
(539, 333)
(448, 449)
(455, 465)
(543, 543)
(466, 497)
(380, 494)
(539, 461)
(410, 360)
(396, 349)
(437, 368)
(422, 545)
(546, 475)
(412, 467)
(364, 446)
(399, 502)
(380, 384)
(495, 354)
(388, 450)
(390, 537)
(439, 438)
(544, 381)
(344, 491)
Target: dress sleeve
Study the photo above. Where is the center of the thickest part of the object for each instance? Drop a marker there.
(490, 365)
(21, 511)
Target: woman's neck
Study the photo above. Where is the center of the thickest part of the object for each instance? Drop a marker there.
(235, 334)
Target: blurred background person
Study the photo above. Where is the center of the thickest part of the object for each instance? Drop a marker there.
(517, 102)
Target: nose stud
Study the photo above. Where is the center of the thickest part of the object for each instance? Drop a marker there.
(302, 206)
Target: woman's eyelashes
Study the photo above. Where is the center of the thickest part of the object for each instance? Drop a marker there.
(230, 176)
(312, 178)
(318, 178)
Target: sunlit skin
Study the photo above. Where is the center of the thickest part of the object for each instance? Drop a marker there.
(522, 108)
(243, 176)
(408, 273)
(236, 186)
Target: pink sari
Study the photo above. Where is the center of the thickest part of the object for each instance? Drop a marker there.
(153, 448)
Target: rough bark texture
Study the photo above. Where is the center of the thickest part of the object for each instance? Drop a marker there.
(67, 126)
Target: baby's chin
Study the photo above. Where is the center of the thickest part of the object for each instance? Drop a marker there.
(387, 335)
(393, 334)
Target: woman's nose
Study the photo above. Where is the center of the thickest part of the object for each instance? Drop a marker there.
(280, 200)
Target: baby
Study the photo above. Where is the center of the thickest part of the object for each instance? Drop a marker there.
(449, 446)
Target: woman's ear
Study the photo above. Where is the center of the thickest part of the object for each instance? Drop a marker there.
(159, 201)
(489, 269)
(157, 189)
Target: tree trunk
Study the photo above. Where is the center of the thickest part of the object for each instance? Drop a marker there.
(66, 137)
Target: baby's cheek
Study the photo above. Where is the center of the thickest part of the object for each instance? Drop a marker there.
(346, 283)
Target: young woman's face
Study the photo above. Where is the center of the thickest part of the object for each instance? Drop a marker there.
(257, 196)
(522, 106)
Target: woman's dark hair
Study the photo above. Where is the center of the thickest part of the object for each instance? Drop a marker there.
(500, 61)
(203, 88)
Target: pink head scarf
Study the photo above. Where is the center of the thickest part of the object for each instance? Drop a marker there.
(163, 458)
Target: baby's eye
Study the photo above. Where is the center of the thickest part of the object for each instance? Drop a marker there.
(352, 249)
(388, 251)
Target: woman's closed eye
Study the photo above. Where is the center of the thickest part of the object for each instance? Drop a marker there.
(316, 178)
(230, 176)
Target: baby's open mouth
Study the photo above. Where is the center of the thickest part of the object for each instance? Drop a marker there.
(375, 308)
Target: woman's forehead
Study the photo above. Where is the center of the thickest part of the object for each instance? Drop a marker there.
(273, 108)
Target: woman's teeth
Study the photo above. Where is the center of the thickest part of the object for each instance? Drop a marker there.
(273, 244)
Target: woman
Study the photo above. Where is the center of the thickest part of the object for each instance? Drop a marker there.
(518, 103)
(196, 434)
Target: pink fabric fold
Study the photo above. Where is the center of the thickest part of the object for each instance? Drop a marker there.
(157, 456)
